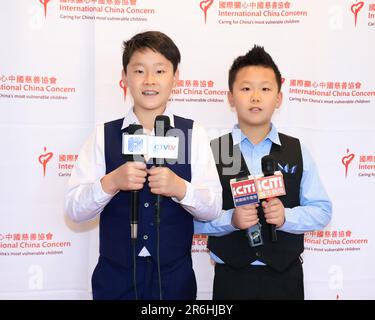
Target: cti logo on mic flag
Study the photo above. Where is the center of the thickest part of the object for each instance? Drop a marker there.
(123, 87)
(244, 191)
(346, 160)
(271, 186)
(355, 8)
(44, 159)
(44, 3)
(205, 5)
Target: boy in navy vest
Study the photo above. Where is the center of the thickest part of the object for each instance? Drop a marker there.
(249, 263)
(158, 264)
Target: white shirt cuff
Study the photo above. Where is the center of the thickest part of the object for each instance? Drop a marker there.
(100, 196)
(189, 195)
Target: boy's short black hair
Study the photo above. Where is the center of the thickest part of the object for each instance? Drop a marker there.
(154, 40)
(257, 56)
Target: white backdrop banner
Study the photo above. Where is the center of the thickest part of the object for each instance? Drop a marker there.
(60, 74)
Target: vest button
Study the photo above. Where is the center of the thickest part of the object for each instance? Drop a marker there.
(258, 254)
(146, 204)
(145, 237)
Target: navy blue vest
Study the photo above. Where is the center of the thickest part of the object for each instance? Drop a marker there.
(234, 248)
(176, 226)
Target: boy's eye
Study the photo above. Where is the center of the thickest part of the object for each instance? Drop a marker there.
(160, 71)
(138, 71)
(245, 89)
(266, 89)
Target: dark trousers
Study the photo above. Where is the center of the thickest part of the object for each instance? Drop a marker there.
(258, 283)
(111, 281)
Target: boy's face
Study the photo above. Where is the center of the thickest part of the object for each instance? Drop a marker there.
(255, 95)
(150, 79)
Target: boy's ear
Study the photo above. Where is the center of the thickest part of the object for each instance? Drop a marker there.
(176, 77)
(124, 78)
(279, 99)
(230, 99)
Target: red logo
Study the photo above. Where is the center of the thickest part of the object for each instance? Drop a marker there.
(346, 160)
(123, 87)
(205, 5)
(355, 8)
(44, 158)
(44, 3)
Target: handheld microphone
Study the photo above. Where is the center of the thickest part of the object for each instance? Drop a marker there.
(134, 203)
(133, 147)
(162, 124)
(271, 185)
(244, 191)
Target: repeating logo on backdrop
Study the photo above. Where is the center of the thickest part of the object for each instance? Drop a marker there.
(205, 5)
(103, 10)
(45, 3)
(346, 160)
(355, 8)
(44, 159)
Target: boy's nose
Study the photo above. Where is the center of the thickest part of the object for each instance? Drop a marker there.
(149, 79)
(255, 97)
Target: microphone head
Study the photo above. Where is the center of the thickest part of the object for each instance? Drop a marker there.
(162, 124)
(268, 165)
(135, 129)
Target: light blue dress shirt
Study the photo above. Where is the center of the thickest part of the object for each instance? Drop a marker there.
(315, 209)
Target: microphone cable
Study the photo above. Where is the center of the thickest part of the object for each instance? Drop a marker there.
(134, 242)
(158, 205)
(134, 235)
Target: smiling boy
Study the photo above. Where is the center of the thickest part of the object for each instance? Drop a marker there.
(102, 181)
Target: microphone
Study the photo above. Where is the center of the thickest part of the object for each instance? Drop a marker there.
(134, 203)
(161, 126)
(271, 185)
(244, 191)
(134, 146)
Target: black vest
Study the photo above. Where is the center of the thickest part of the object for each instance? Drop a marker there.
(234, 248)
(176, 225)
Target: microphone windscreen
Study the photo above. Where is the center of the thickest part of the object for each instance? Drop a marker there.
(268, 165)
(135, 129)
(162, 124)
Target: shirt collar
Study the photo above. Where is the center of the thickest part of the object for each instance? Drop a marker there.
(239, 136)
(131, 118)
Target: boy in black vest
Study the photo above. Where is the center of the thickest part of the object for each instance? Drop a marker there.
(156, 264)
(249, 263)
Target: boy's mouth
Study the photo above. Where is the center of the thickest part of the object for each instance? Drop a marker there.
(255, 109)
(150, 92)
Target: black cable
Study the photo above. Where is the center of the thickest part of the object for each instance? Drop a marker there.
(158, 207)
(134, 242)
